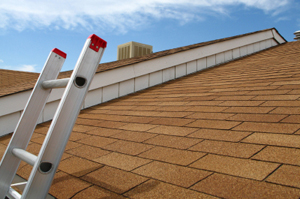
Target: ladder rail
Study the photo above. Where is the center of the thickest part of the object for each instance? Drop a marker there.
(28, 120)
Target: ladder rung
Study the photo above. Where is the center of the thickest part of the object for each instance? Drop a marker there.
(25, 156)
(13, 194)
(57, 83)
(18, 184)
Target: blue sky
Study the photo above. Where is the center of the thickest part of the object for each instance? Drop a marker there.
(30, 29)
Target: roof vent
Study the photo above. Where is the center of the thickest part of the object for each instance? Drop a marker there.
(297, 34)
(133, 49)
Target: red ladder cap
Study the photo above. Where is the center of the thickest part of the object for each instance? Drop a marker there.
(97, 42)
(59, 52)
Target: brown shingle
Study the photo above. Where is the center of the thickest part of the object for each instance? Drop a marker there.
(268, 127)
(280, 155)
(178, 175)
(96, 192)
(174, 156)
(274, 139)
(233, 187)
(159, 190)
(286, 175)
(122, 161)
(227, 148)
(78, 166)
(173, 141)
(214, 124)
(172, 130)
(114, 179)
(87, 152)
(216, 134)
(235, 166)
(131, 148)
(65, 186)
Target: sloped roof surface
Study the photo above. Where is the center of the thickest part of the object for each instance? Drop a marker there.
(14, 81)
(232, 131)
(19, 86)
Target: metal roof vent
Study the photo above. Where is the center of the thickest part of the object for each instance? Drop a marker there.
(133, 49)
(297, 34)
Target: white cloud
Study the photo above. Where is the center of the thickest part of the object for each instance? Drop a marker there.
(27, 68)
(116, 15)
(1, 61)
(24, 67)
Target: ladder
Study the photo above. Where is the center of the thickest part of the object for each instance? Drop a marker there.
(46, 163)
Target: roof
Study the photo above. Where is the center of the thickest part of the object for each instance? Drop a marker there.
(231, 131)
(14, 81)
(16, 86)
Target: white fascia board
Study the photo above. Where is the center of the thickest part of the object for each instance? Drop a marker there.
(112, 76)
(14, 103)
(150, 66)
(8, 123)
(139, 69)
(278, 37)
(56, 94)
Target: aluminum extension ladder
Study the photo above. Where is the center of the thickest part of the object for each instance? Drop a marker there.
(46, 163)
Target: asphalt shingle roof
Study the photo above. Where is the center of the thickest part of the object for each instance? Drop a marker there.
(232, 131)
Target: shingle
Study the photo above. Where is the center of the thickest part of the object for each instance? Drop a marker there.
(257, 117)
(96, 192)
(104, 131)
(78, 166)
(83, 128)
(216, 134)
(214, 124)
(134, 136)
(280, 155)
(87, 152)
(214, 116)
(286, 175)
(274, 139)
(178, 175)
(241, 103)
(268, 127)
(207, 109)
(172, 130)
(286, 110)
(122, 161)
(235, 166)
(97, 141)
(65, 186)
(233, 187)
(277, 97)
(281, 103)
(292, 119)
(248, 110)
(114, 179)
(227, 148)
(172, 121)
(2, 149)
(131, 148)
(159, 190)
(138, 127)
(173, 141)
(174, 156)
